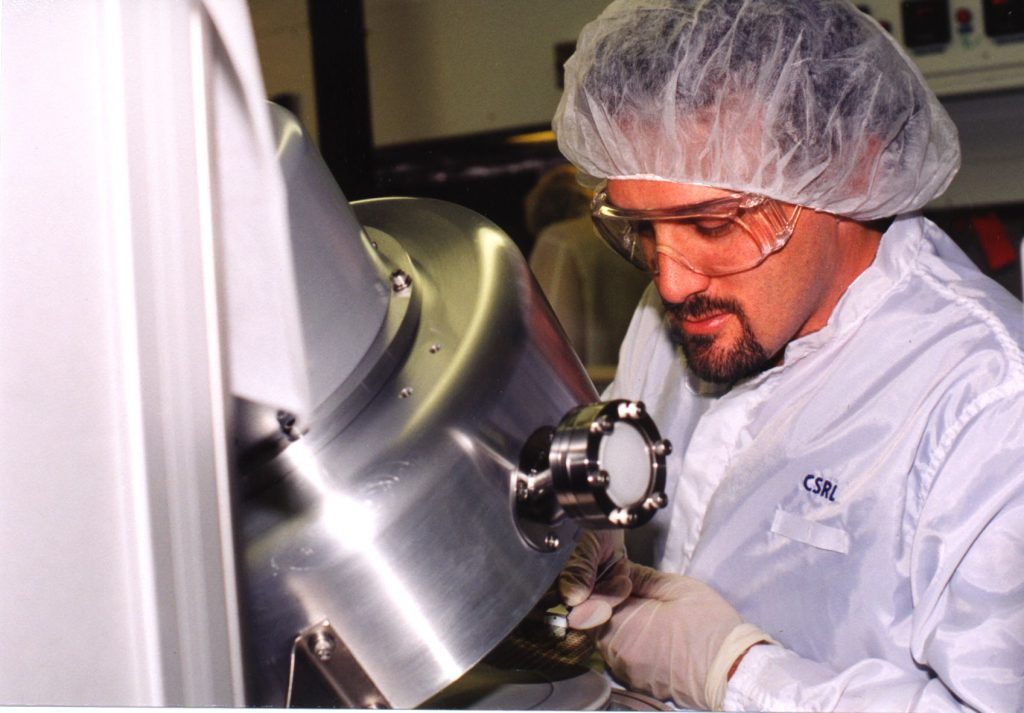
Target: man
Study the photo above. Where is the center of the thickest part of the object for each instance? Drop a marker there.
(844, 389)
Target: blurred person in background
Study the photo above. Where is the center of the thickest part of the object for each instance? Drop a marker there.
(591, 289)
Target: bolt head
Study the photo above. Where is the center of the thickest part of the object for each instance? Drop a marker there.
(631, 410)
(655, 502)
(323, 645)
(400, 281)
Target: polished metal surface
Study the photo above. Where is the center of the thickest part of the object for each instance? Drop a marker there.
(390, 512)
(341, 296)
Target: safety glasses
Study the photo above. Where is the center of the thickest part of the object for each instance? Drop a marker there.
(719, 237)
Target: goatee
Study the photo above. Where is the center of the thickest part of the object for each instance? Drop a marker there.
(705, 355)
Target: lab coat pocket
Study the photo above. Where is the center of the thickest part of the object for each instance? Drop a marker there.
(825, 537)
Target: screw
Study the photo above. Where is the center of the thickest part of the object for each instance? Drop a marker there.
(522, 491)
(400, 281)
(287, 423)
(600, 479)
(323, 645)
(552, 542)
(663, 447)
(435, 348)
(405, 393)
(602, 425)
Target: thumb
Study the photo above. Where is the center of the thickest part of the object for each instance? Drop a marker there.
(597, 609)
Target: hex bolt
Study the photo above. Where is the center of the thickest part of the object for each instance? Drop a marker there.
(323, 645)
(656, 501)
(631, 410)
(400, 281)
(552, 542)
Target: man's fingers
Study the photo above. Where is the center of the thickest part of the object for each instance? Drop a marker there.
(597, 609)
(590, 614)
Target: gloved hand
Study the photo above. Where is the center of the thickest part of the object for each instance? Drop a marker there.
(596, 578)
(677, 638)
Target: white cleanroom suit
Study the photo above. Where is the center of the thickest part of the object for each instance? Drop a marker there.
(863, 502)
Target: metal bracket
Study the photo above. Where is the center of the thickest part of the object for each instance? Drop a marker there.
(320, 646)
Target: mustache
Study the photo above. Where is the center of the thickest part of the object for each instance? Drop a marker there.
(700, 306)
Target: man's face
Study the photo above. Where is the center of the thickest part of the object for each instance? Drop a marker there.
(737, 325)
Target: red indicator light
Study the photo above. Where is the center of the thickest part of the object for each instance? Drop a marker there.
(963, 16)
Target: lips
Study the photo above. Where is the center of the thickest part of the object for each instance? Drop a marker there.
(703, 317)
(705, 324)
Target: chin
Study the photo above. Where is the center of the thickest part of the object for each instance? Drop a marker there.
(717, 365)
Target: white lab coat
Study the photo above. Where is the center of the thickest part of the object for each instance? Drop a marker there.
(864, 502)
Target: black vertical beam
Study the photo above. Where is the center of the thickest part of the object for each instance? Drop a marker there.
(342, 84)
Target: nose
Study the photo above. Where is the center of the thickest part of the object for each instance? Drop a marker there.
(675, 281)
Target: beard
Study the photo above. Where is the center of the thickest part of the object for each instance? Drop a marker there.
(706, 356)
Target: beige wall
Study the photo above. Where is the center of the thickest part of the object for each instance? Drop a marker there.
(437, 67)
(286, 53)
(452, 67)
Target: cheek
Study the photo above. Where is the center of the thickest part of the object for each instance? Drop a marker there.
(780, 305)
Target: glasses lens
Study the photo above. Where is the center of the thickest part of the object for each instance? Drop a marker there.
(719, 237)
(632, 238)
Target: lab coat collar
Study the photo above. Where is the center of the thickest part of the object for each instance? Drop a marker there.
(898, 253)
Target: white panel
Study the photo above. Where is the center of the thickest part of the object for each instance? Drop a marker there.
(117, 125)
(70, 575)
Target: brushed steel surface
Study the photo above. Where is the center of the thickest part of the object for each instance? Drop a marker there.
(391, 516)
(341, 297)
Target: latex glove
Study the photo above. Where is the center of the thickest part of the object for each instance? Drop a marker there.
(595, 579)
(677, 638)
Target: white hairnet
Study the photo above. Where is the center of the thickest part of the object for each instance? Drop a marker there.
(808, 102)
